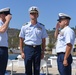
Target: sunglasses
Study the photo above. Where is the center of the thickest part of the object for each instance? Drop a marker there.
(59, 21)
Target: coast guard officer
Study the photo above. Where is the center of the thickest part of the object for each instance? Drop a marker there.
(5, 18)
(33, 35)
(65, 41)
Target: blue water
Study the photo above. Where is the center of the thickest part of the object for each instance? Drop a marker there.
(12, 56)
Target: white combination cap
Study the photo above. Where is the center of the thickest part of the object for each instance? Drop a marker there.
(33, 9)
(5, 10)
(63, 16)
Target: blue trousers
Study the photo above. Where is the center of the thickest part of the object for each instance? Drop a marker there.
(3, 59)
(32, 58)
(64, 70)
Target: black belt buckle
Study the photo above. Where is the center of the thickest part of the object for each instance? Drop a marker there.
(32, 45)
(60, 53)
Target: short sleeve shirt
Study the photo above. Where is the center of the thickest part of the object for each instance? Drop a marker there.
(33, 34)
(65, 36)
(3, 37)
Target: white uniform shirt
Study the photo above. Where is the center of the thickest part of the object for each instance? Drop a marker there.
(65, 36)
(3, 37)
(33, 34)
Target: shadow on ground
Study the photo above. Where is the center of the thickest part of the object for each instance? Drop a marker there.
(19, 74)
(14, 73)
(40, 74)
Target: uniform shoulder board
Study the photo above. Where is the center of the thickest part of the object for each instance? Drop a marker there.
(42, 24)
(25, 24)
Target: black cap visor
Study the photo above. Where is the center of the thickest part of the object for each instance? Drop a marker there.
(33, 11)
(6, 12)
(62, 18)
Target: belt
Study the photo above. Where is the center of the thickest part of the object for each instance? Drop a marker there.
(32, 45)
(60, 53)
(3, 47)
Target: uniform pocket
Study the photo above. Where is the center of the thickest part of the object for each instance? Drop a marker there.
(61, 38)
(62, 57)
(38, 32)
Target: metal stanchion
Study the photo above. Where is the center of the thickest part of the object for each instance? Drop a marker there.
(46, 68)
(12, 68)
(46, 59)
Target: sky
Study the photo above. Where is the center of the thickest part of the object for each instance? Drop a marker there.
(48, 11)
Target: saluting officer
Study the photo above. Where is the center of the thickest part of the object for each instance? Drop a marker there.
(65, 42)
(5, 18)
(33, 35)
